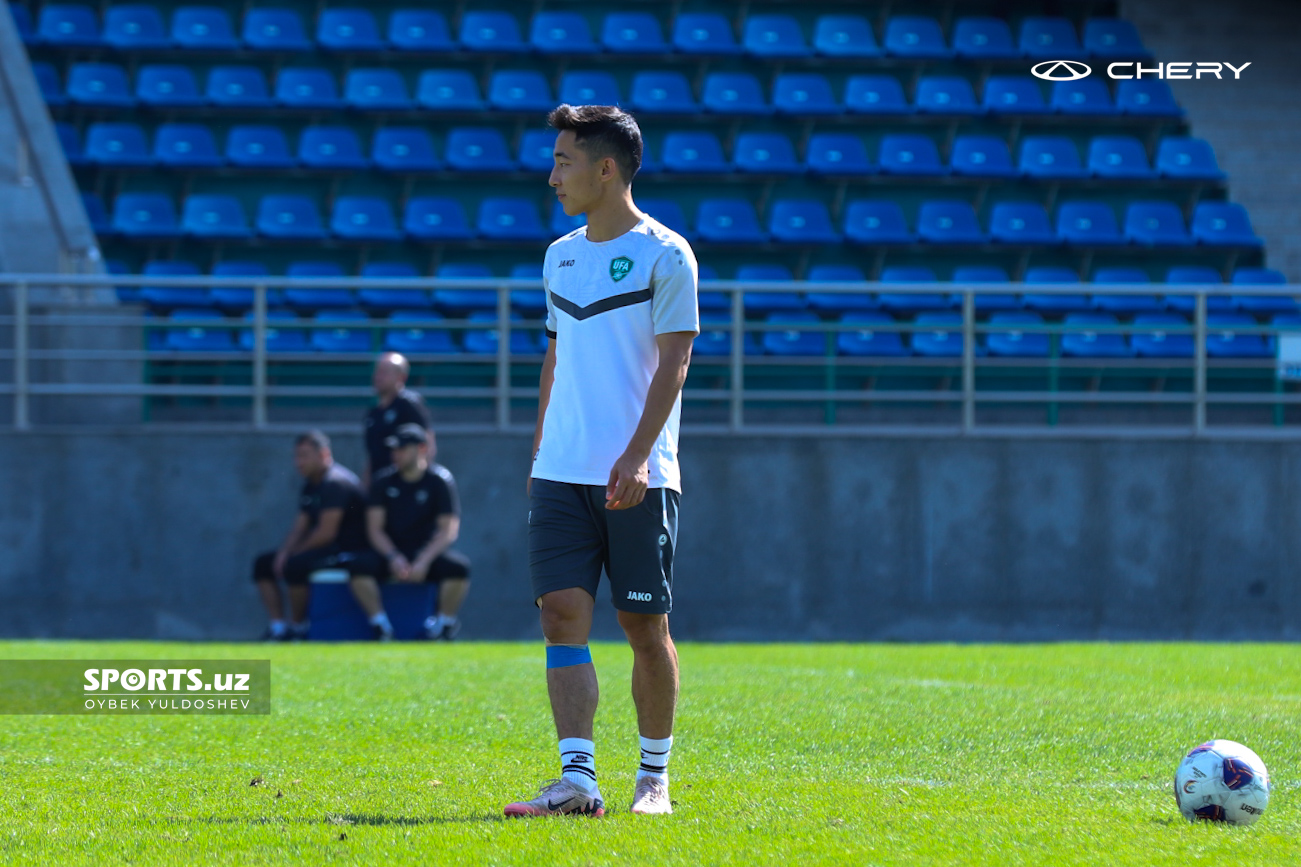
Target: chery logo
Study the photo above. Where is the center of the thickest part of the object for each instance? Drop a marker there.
(1073, 70)
(1061, 70)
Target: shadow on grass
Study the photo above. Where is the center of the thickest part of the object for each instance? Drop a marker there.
(342, 820)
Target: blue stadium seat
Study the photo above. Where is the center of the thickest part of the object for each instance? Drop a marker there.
(419, 30)
(477, 149)
(1225, 340)
(1050, 157)
(916, 36)
(1014, 94)
(836, 35)
(303, 87)
(862, 339)
(1086, 343)
(562, 33)
(1196, 274)
(1020, 223)
(694, 152)
(1148, 97)
(167, 86)
(911, 302)
(949, 222)
(1156, 224)
(520, 90)
(424, 337)
(306, 298)
(1113, 38)
(832, 153)
(986, 302)
(1124, 304)
(910, 154)
(981, 37)
(876, 222)
(633, 33)
(145, 215)
(238, 87)
(68, 25)
(256, 146)
(669, 213)
(215, 217)
(734, 93)
(838, 302)
(279, 338)
(717, 342)
(99, 84)
(349, 30)
(1015, 343)
(70, 141)
(364, 218)
(1187, 157)
(331, 147)
(404, 149)
(289, 217)
(117, 144)
(875, 94)
(802, 221)
(589, 88)
(172, 297)
(803, 94)
(662, 93)
(448, 90)
(1088, 223)
(766, 153)
(562, 223)
(529, 302)
(47, 79)
(730, 220)
(982, 156)
(483, 341)
(205, 28)
(186, 145)
(1260, 305)
(459, 302)
(1159, 342)
(133, 27)
(239, 299)
(96, 213)
(704, 33)
(23, 24)
(712, 301)
(792, 341)
(492, 31)
(537, 150)
(1049, 38)
(376, 90)
(1224, 223)
(945, 94)
(196, 337)
(436, 218)
(388, 300)
(939, 343)
(275, 30)
(1087, 96)
(510, 219)
(1052, 303)
(774, 36)
(341, 338)
(1119, 156)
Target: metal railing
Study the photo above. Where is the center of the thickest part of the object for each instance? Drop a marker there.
(739, 368)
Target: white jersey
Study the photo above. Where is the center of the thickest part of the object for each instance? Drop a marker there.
(606, 301)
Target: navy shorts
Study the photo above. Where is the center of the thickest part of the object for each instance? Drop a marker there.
(573, 537)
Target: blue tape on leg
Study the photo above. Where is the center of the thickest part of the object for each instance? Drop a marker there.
(565, 655)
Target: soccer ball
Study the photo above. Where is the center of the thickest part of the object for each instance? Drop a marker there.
(1222, 781)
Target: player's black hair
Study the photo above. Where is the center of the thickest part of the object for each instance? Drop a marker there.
(315, 437)
(603, 131)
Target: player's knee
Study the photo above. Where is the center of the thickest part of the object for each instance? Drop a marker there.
(645, 631)
(563, 625)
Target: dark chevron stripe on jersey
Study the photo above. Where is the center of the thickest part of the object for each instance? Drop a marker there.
(605, 305)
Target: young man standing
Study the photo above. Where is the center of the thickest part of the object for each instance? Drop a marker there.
(604, 491)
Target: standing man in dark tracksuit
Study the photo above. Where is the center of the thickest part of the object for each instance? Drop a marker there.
(395, 406)
(330, 526)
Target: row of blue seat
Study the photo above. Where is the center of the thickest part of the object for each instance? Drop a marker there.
(765, 36)
(799, 94)
(469, 149)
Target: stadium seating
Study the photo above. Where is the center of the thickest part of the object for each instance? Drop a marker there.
(258, 147)
(167, 86)
(875, 94)
(1187, 157)
(943, 342)
(186, 145)
(520, 90)
(978, 37)
(1014, 94)
(406, 149)
(803, 94)
(1259, 305)
(47, 79)
(1084, 97)
(508, 218)
(1088, 224)
(204, 28)
(101, 85)
(1113, 38)
(419, 30)
(1045, 38)
(841, 35)
(562, 33)
(633, 33)
(763, 303)
(862, 338)
(1085, 343)
(876, 222)
(448, 90)
(1014, 342)
(134, 27)
(946, 94)
(733, 93)
(985, 302)
(1156, 224)
(662, 93)
(417, 339)
(348, 30)
(492, 31)
(117, 144)
(1053, 303)
(908, 154)
(238, 87)
(1118, 156)
(729, 220)
(1223, 223)
(196, 337)
(774, 36)
(982, 156)
(1125, 304)
(145, 215)
(694, 152)
(802, 221)
(766, 152)
(916, 36)
(214, 217)
(307, 87)
(289, 217)
(1224, 339)
(331, 147)
(832, 153)
(1020, 223)
(376, 90)
(1050, 157)
(704, 33)
(1159, 342)
(166, 298)
(477, 149)
(1148, 97)
(68, 26)
(275, 30)
(364, 218)
(792, 341)
(436, 218)
(911, 302)
(949, 221)
(589, 88)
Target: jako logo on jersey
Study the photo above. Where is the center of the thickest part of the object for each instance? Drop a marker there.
(620, 268)
(639, 597)
(566, 263)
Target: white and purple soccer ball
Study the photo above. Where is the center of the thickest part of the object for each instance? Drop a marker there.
(1222, 781)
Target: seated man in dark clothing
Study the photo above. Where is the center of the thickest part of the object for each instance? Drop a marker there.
(413, 518)
(395, 405)
(331, 524)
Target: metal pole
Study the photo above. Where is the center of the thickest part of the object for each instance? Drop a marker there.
(1199, 375)
(737, 380)
(259, 356)
(21, 419)
(503, 358)
(968, 361)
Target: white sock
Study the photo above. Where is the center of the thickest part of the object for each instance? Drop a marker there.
(655, 758)
(381, 620)
(434, 621)
(578, 762)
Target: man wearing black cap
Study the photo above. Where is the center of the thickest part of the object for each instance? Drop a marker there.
(412, 520)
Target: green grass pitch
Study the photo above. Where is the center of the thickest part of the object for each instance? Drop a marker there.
(784, 754)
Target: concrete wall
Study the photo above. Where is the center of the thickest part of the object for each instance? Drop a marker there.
(150, 534)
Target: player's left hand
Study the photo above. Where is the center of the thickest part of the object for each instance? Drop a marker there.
(417, 572)
(628, 483)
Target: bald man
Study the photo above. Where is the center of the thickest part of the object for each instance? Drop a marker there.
(395, 405)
